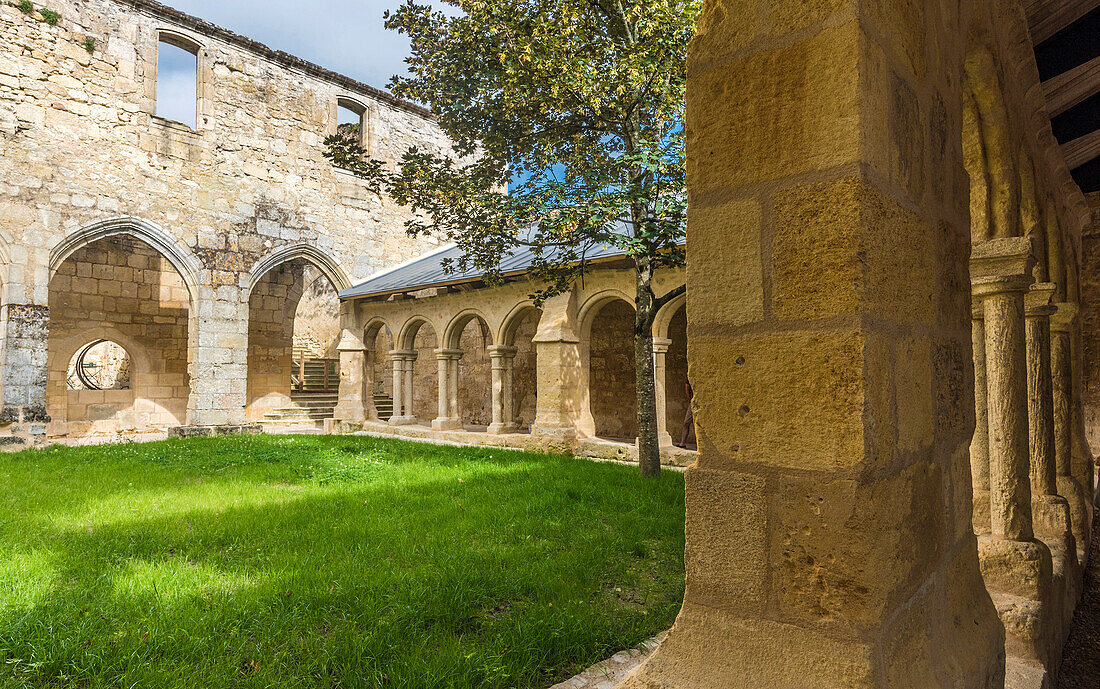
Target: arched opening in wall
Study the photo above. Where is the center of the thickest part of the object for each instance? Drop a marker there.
(100, 365)
(118, 342)
(293, 333)
(611, 372)
(421, 338)
(470, 335)
(677, 399)
(378, 339)
(177, 95)
(520, 334)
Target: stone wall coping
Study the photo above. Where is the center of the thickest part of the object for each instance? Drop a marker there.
(279, 57)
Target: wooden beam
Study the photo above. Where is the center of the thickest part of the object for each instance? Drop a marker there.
(1070, 88)
(1048, 17)
(1082, 149)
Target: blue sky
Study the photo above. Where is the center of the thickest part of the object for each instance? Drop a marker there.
(346, 36)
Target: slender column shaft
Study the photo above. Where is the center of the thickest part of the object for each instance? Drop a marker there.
(508, 410)
(443, 387)
(1040, 402)
(452, 390)
(1061, 364)
(1006, 371)
(407, 397)
(979, 444)
(660, 391)
(398, 383)
(498, 391)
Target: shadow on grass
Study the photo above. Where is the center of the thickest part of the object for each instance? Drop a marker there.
(456, 571)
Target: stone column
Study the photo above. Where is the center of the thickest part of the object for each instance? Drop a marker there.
(828, 514)
(1051, 513)
(508, 412)
(402, 386)
(559, 370)
(660, 349)
(1000, 272)
(502, 357)
(355, 404)
(1061, 365)
(979, 444)
(449, 418)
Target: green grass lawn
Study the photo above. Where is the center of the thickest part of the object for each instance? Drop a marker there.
(316, 561)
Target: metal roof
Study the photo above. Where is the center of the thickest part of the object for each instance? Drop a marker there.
(428, 271)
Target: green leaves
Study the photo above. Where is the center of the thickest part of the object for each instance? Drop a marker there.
(578, 105)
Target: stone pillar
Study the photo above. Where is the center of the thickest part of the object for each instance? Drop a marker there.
(559, 370)
(219, 357)
(979, 444)
(25, 329)
(402, 386)
(1000, 271)
(1061, 365)
(509, 411)
(502, 358)
(829, 538)
(449, 418)
(1040, 401)
(660, 349)
(1051, 511)
(355, 404)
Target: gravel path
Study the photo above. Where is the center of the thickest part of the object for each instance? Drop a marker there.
(1081, 655)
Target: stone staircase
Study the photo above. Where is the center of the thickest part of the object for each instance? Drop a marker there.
(384, 404)
(307, 408)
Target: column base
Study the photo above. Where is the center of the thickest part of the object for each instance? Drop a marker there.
(212, 431)
(560, 432)
(1079, 515)
(1020, 578)
(665, 440)
(444, 423)
(402, 420)
(501, 428)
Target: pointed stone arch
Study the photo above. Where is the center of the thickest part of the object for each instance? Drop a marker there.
(307, 252)
(173, 250)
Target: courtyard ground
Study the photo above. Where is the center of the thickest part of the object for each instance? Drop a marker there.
(322, 561)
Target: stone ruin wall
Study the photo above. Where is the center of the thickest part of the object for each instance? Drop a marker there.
(80, 143)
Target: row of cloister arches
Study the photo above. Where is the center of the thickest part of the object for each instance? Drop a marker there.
(129, 283)
(468, 371)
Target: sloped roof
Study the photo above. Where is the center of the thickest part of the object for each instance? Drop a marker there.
(427, 271)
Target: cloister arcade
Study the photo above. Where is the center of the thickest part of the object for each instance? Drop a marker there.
(486, 362)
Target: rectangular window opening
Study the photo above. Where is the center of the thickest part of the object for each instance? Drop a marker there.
(351, 122)
(177, 83)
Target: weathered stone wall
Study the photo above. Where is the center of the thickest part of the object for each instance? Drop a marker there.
(475, 375)
(611, 372)
(525, 368)
(80, 143)
(124, 291)
(271, 310)
(426, 375)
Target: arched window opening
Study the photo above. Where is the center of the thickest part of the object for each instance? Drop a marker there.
(611, 372)
(100, 365)
(177, 92)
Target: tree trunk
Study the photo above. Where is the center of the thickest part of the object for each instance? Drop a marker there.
(649, 448)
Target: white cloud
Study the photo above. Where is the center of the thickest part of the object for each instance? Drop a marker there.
(346, 36)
